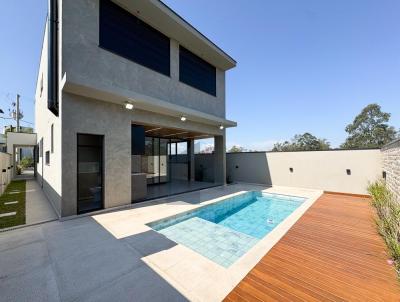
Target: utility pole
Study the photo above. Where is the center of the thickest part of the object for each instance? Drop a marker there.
(17, 115)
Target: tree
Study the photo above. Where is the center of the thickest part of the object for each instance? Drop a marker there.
(369, 129)
(303, 142)
(236, 149)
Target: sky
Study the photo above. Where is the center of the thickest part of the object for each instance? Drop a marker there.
(302, 66)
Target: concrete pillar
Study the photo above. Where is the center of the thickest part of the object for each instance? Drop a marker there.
(191, 159)
(174, 53)
(220, 159)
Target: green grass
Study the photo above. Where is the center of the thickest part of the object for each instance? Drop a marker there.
(19, 218)
(388, 221)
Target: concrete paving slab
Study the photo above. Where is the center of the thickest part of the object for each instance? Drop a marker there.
(16, 238)
(8, 214)
(38, 208)
(142, 284)
(38, 285)
(78, 240)
(81, 274)
(149, 242)
(23, 259)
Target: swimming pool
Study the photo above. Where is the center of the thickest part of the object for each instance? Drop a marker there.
(226, 230)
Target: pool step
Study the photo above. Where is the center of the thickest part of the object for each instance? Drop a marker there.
(219, 244)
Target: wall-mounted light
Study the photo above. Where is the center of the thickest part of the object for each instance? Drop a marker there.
(183, 118)
(221, 127)
(128, 105)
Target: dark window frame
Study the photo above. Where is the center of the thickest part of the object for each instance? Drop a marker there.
(196, 72)
(47, 158)
(160, 64)
(52, 138)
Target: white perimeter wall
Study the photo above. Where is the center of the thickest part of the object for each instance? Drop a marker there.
(5, 170)
(325, 170)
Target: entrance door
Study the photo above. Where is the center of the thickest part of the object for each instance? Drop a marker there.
(90, 173)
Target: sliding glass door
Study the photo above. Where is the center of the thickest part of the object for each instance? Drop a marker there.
(155, 161)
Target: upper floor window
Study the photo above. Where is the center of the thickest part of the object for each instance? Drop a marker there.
(52, 138)
(196, 72)
(127, 36)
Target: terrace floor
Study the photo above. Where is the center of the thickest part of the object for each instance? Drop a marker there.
(332, 253)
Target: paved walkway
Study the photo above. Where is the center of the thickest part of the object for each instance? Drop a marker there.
(38, 208)
(333, 253)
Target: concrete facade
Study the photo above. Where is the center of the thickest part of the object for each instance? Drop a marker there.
(86, 63)
(94, 86)
(391, 165)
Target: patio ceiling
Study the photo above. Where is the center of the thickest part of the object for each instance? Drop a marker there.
(171, 133)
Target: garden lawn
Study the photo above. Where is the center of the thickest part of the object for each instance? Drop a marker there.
(15, 191)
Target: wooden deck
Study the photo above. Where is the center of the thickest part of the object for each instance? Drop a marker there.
(333, 253)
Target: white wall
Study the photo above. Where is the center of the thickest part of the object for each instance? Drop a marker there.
(48, 176)
(325, 170)
(5, 170)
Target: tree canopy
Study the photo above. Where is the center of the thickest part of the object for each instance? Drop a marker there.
(369, 129)
(303, 142)
(236, 149)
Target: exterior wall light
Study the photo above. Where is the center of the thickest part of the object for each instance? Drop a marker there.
(221, 127)
(183, 118)
(128, 106)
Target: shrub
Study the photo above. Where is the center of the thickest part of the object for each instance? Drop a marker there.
(388, 221)
(26, 162)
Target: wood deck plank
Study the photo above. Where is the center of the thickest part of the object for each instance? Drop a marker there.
(332, 253)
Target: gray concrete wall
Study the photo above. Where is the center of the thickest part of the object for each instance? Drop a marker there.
(391, 165)
(324, 170)
(86, 116)
(84, 62)
(90, 116)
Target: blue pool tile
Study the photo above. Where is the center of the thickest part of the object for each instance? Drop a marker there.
(223, 249)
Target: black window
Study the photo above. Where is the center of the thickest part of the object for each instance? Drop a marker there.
(196, 72)
(52, 137)
(41, 147)
(47, 157)
(127, 36)
(52, 97)
(137, 140)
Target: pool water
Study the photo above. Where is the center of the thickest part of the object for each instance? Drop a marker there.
(226, 230)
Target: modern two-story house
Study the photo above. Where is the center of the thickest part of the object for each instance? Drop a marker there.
(124, 90)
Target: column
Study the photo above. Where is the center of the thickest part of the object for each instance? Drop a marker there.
(220, 159)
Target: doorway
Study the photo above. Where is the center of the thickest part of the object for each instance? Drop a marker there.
(90, 173)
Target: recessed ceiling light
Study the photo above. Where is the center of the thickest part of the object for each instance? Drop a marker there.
(183, 118)
(128, 106)
(221, 127)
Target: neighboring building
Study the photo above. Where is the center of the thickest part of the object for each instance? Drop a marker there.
(22, 129)
(124, 88)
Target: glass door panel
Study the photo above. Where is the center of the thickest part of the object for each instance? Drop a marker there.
(90, 173)
(164, 173)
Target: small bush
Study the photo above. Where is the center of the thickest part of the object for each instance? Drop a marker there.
(26, 162)
(388, 221)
